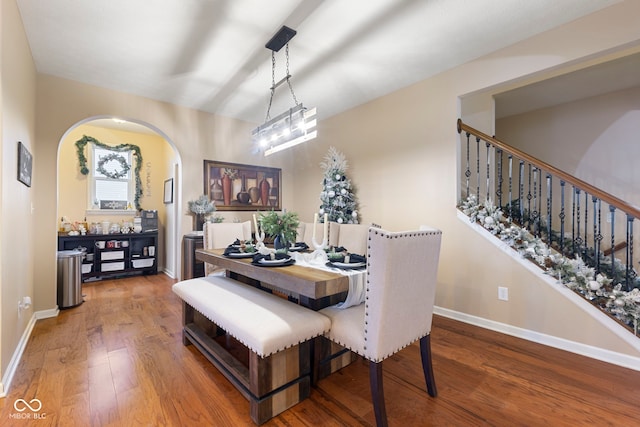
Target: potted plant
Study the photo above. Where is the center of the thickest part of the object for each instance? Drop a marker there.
(283, 228)
(201, 208)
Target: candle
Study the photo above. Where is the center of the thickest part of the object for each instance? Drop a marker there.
(315, 221)
(325, 237)
(255, 223)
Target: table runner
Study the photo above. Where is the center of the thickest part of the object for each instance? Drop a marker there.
(319, 259)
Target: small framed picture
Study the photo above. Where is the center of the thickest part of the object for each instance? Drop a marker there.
(25, 161)
(168, 191)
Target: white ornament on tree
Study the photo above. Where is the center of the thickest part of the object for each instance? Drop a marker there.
(332, 193)
(343, 191)
(339, 220)
(338, 176)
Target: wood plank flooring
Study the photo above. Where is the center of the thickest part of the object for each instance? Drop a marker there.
(118, 360)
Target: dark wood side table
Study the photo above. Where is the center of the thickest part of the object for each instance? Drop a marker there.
(191, 267)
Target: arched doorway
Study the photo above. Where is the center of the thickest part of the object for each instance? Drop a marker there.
(160, 168)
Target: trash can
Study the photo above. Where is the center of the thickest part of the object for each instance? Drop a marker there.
(70, 278)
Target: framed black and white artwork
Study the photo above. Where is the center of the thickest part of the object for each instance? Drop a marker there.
(168, 191)
(25, 162)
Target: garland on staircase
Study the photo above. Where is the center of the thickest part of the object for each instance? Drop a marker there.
(572, 272)
(84, 170)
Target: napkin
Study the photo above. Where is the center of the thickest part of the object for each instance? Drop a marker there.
(335, 257)
(355, 258)
(349, 259)
(273, 255)
(302, 246)
(231, 250)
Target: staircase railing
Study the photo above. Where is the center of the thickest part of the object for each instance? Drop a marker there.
(580, 233)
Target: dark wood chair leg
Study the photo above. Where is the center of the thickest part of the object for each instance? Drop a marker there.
(377, 393)
(425, 353)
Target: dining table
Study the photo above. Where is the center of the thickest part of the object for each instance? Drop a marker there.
(314, 288)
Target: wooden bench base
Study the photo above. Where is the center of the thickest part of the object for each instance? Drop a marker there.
(272, 384)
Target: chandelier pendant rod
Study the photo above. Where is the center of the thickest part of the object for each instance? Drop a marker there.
(284, 79)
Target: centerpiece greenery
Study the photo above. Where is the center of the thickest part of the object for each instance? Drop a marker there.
(283, 227)
(201, 208)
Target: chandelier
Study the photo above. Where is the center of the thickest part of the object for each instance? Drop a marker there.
(292, 127)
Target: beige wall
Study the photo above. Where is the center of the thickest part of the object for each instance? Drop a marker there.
(17, 202)
(402, 149)
(594, 139)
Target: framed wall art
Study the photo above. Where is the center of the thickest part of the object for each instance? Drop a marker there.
(236, 187)
(168, 191)
(25, 162)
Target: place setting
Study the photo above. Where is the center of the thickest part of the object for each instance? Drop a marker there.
(346, 261)
(240, 249)
(273, 259)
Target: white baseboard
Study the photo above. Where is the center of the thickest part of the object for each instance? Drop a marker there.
(45, 314)
(15, 359)
(608, 356)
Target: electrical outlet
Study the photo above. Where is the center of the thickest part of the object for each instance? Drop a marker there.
(503, 293)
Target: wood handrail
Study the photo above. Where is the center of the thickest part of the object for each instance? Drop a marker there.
(576, 182)
(616, 248)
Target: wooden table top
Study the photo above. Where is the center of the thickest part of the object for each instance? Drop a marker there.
(305, 281)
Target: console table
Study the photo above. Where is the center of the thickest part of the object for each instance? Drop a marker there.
(111, 255)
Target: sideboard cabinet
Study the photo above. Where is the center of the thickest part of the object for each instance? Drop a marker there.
(111, 255)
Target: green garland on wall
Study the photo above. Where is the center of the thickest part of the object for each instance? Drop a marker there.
(84, 170)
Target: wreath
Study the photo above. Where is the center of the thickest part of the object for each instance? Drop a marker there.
(117, 174)
(84, 170)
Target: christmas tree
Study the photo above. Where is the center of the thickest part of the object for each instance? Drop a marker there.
(337, 197)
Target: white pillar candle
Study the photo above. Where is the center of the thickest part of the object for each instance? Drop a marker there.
(315, 221)
(255, 224)
(326, 229)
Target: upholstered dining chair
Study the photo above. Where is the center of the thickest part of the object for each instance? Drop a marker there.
(305, 233)
(353, 237)
(398, 308)
(220, 235)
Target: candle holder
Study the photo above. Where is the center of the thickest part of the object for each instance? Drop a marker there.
(319, 246)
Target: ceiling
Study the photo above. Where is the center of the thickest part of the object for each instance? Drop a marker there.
(209, 54)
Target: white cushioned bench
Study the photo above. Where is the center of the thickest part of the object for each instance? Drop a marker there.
(276, 332)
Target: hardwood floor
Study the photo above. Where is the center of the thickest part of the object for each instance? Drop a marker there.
(118, 360)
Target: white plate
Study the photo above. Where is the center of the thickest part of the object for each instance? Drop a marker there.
(241, 254)
(349, 264)
(274, 261)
